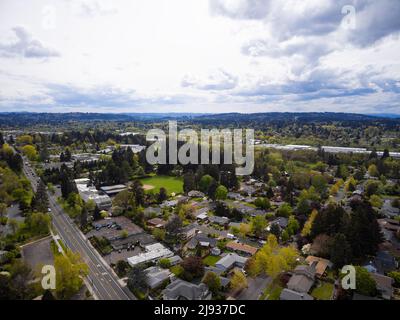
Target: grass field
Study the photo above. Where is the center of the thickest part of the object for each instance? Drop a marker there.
(323, 292)
(211, 260)
(172, 184)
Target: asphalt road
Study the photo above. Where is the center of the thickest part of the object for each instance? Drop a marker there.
(101, 278)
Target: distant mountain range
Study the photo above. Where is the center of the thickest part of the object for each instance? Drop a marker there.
(31, 118)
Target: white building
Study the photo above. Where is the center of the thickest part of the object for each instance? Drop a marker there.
(87, 193)
(153, 252)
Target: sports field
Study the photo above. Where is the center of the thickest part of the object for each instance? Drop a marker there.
(172, 184)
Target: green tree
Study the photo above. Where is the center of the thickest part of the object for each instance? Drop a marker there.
(308, 225)
(340, 251)
(221, 193)
(159, 234)
(258, 225)
(164, 263)
(212, 281)
(238, 280)
(376, 201)
(285, 210)
(262, 203)
(205, 183)
(273, 259)
(41, 200)
(70, 271)
(137, 279)
(395, 275)
(30, 152)
(162, 195)
(373, 171)
(293, 226)
(366, 285)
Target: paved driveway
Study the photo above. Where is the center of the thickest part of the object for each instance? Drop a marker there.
(256, 287)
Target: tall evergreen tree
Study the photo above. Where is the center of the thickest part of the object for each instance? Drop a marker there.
(41, 200)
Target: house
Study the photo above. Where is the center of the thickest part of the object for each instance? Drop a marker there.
(222, 221)
(229, 261)
(302, 279)
(235, 196)
(152, 212)
(282, 223)
(389, 228)
(183, 290)
(156, 223)
(384, 285)
(288, 294)
(241, 207)
(248, 190)
(156, 276)
(385, 262)
(258, 212)
(320, 264)
(241, 247)
(196, 194)
(201, 214)
(153, 252)
(388, 210)
(201, 240)
(169, 203)
(189, 231)
(234, 225)
(175, 260)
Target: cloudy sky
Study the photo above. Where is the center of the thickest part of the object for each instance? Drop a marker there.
(200, 55)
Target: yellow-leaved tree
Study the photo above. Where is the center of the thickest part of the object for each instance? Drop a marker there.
(70, 271)
(273, 259)
(308, 225)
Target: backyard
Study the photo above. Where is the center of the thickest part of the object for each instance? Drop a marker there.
(323, 291)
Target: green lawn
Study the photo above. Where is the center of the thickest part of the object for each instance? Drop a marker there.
(273, 291)
(323, 291)
(211, 260)
(172, 184)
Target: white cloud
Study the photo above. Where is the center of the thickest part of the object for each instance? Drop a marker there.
(190, 55)
(23, 45)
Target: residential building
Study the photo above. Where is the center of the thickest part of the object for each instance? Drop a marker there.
(241, 248)
(282, 223)
(175, 260)
(384, 285)
(156, 223)
(156, 276)
(222, 221)
(201, 240)
(230, 261)
(320, 265)
(183, 290)
(196, 194)
(302, 279)
(288, 294)
(189, 231)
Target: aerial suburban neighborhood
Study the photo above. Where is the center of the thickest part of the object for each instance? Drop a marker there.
(195, 159)
(131, 230)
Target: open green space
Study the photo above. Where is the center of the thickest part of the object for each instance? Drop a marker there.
(154, 183)
(323, 291)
